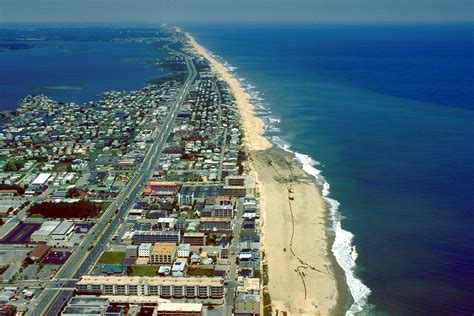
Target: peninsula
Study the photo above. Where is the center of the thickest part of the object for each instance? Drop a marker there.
(162, 200)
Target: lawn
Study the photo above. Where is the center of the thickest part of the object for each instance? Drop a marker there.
(111, 257)
(62, 166)
(145, 270)
(103, 206)
(200, 271)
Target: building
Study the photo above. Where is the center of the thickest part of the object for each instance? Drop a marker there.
(166, 223)
(184, 250)
(131, 251)
(163, 253)
(224, 248)
(247, 305)
(161, 188)
(178, 269)
(40, 182)
(144, 250)
(214, 224)
(194, 239)
(239, 186)
(86, 305)
(39, 252)
(140, 237)
(178, 309)
(247, 299)
(63, 231)
(165, 287)
(44, 232)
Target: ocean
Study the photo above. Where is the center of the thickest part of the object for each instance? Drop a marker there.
(381, 115)
(384, 115)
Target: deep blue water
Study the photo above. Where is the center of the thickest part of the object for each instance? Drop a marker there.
(388, 111)
(86, 58)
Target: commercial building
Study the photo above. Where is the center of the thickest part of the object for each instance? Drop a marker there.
(40, 182)
(86, 305)
(194, 239)
(39, 252)
(163, 253)
(140, 237)
(239, 186)
(42, 234)
(181, 309)
(165, 287)
(63, 231)
(161, 188)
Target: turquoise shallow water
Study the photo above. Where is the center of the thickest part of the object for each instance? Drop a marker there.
(387, 111)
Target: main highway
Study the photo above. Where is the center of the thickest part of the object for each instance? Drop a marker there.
(84, 257)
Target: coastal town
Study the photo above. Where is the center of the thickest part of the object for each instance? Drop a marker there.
(137, 203)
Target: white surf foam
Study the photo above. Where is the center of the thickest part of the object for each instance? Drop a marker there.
(343, 249)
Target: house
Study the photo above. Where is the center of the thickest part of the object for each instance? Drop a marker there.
(144, 249)
(178, 269)
(184, 250)
(224, 248)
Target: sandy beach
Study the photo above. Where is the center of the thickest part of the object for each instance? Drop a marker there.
(301, 278)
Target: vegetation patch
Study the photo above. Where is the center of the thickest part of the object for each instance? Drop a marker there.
(143, 270)
(111, 257)
(200, 271)
(79, 209)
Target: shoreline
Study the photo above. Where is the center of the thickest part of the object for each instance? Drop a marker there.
(321, 287)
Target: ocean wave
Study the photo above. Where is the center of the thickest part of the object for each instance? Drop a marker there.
(342, 248)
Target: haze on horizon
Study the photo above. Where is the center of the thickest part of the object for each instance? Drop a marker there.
(236, 10)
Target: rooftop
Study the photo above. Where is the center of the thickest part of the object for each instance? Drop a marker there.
(137, 280)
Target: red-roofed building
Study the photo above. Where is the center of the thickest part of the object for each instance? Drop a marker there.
(39, 252)
(161, 188)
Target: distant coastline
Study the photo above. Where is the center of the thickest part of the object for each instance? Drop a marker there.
(63, 87)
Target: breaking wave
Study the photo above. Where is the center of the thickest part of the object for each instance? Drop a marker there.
(342, 248)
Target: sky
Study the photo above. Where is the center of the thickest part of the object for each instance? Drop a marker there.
(158, 11)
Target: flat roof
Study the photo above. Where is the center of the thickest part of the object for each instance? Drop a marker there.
(63, 228)
(46, 228)
(83, 310)
(41, 178)
(164, 248)
(138, 280)
(215, 219)
(179, 307)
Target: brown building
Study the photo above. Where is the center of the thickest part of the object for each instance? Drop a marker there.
(194, 239)
(163, 253)
(39, 252)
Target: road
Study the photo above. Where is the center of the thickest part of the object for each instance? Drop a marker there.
(83, 258)
(233, 254)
